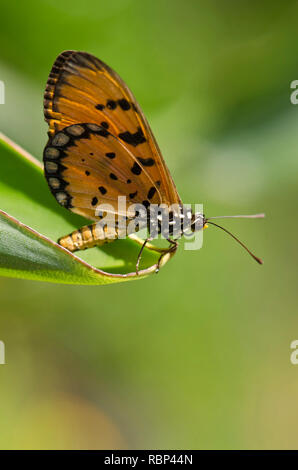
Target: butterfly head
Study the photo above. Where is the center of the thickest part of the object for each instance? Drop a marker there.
(198, 222)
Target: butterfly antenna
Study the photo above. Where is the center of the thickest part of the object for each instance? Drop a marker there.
(253, 216)
(235, 238)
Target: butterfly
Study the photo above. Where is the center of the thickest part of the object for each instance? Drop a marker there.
(101, 148)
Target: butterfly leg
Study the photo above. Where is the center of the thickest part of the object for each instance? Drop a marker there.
(172, 248)
(89, 236)
(140, 253)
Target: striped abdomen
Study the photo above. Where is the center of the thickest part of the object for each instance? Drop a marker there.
(90, 236)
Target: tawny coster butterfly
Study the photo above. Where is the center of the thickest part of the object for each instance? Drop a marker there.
(101, 147)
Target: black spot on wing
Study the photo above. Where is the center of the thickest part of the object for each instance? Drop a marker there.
(151, 192)
(100, 107)
(94, 201)
(103, 132)
(102, 190)
(124, 104)
(111, 104)
(136, 169)
(132, 195)
(113, 176)
(146, 161)
(111, 155)
(133, 139)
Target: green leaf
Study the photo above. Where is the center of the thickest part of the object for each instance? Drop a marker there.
(31, 220)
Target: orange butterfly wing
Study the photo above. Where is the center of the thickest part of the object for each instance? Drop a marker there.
(118, 156)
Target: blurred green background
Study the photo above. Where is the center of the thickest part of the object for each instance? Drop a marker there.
(198, 356)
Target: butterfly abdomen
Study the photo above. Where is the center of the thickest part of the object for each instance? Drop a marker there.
(89, 236)
(96, 234)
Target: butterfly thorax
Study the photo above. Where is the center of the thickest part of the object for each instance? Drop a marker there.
(173, 222)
